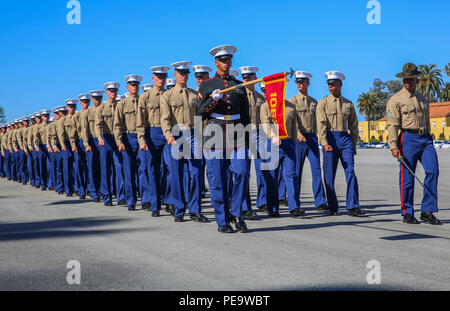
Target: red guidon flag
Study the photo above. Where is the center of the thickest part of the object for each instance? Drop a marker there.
(275, 93)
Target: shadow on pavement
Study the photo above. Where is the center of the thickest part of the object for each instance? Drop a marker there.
(71, 202)
(60, 228)
(316, 225)
(404, 235)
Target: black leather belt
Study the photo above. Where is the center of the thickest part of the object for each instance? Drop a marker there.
(416, 131)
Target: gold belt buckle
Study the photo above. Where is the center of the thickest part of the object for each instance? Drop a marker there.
(421, 131)
(227, 117)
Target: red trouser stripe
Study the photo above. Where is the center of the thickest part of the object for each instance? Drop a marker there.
(403, 177)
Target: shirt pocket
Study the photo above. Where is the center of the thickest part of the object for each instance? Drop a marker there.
(407, 109)
(107, 119)
(154, 113)
(189, 112)
(130, 118)
(107, 115)
(67, 125)
(347, 110)
(301, 109)
(331, 116)
(408, 116)
(177, 110)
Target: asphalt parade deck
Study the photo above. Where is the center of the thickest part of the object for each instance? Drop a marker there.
(40, 232)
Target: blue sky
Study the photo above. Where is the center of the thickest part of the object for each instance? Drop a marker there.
(44, 60)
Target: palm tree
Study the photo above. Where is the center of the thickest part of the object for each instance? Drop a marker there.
(430, 81)
(368, 106)
(447, 69)
(445, 93)
(2, 115)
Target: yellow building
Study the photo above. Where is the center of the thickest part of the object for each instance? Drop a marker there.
(439, 125)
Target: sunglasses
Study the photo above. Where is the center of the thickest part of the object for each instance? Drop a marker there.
(183, 72)
(200, 75)
(161, 75)
(224, 59)
(248, 76)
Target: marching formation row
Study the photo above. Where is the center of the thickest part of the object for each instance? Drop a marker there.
(124, 147)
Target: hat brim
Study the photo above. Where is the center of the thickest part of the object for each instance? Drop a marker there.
(403, 76)
(331, 81)
(299, 80)
(224, 56)
(183, 71)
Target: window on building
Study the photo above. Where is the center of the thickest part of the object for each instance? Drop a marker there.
(374, 127)
(443, 124)
(384, 127)
(434, 124)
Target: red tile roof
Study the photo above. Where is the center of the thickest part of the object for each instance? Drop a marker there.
(439, 110)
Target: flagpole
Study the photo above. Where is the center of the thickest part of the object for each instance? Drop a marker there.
(241, 85)
(251, 83)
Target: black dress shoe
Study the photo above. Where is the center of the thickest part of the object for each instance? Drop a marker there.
(356, 211)
(273, 214)
(283, 202)
(333, 213)
(122, 202)
(198, 217)
(298, 212)
(69, 195)
(155, 214)
(430, 218)
(146, 206)
(170, 209)
(179, 218)
(249, 214)
(239, 223)
(60, 192)
(226, 229)
(410, 219)
(322, 207)
(262, 208)
(108, 203)
(82, 197)
(96, 200)
(131, 208)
